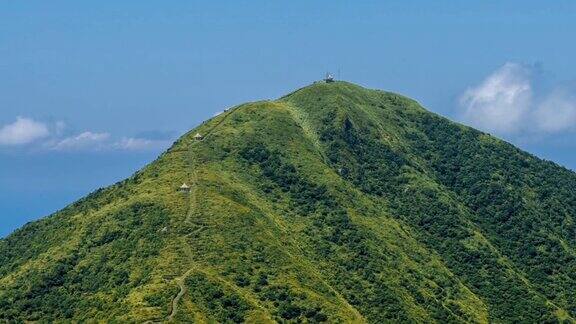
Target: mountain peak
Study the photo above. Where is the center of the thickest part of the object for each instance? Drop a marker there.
(334, 86)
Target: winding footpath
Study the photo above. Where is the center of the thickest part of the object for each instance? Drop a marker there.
(181, 281)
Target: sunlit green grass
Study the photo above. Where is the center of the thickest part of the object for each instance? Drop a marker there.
(332, 204)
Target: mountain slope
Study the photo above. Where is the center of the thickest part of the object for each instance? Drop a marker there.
(333, 203)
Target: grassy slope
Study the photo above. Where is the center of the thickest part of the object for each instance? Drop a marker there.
(333, 203)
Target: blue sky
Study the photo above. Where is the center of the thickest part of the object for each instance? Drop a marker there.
(89, 93)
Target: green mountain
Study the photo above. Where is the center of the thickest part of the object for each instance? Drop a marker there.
(334, 203)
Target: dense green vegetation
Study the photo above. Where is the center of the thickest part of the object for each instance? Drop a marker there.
(332, 204)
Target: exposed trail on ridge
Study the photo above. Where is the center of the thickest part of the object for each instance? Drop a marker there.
(192, 206)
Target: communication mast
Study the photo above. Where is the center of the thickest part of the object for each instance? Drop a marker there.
(329, 78)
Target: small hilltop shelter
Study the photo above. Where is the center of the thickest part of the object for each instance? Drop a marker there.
(329, 78)
(198, 137)
(184, 188)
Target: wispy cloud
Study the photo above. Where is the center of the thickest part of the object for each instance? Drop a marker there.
(505, 103)
(23, 131)
(140, 144)
(93, 142)
(43, 136)
(82, 141)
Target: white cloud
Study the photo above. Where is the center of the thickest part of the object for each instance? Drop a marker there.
(90, 141)
(23, 131)
(54, 137)
(501, 102)
(84, 141)
(557, 112)
(504, 103)
(140, 144)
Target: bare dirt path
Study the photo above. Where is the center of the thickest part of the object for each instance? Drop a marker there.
(182, 283)
(192, 206)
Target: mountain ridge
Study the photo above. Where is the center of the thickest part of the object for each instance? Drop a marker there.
(332, 203)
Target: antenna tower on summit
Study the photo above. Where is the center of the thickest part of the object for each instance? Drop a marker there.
(329, 78)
